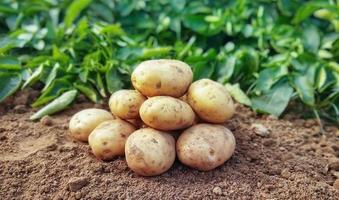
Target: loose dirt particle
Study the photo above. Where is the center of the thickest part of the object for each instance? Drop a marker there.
(46, 120)
(285, 173)
(260, 130)
(76, 184)
(217, 191)
(336, 184)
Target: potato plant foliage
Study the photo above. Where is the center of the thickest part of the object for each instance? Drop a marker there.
(266, 52)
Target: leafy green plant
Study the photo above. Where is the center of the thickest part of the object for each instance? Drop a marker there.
(267, 53)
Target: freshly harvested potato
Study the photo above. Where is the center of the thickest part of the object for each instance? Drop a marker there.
(162, 78)
(196, 117)
(211, 101)
(85, 121)
(126, 103)
(205, 146)
(150, 152)
(166, 113)
(108, 139)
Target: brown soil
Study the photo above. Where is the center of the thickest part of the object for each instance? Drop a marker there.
(292, 159)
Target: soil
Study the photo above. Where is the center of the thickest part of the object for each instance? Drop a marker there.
(274, 159)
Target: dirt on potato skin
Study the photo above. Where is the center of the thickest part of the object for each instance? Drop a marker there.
(293, 160)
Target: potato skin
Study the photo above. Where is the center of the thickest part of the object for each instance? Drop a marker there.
(150, 152)
(162, 77)
(211, 101)
(125, 104)
(166, 113)
(205, 146)
(108, 139)
(85, 121)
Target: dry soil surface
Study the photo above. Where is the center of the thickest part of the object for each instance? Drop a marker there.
(274, 159)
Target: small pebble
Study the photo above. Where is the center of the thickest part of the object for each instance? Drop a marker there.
(46, 120)
(336, 184)
(336, 174)
(260, 130)
(269, 142)
(285, 173)
(217, 191)
(76, 184)
(78, 195)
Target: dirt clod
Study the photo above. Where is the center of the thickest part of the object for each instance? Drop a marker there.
(76, 184)
(285, 173)
(260, 130)
(336, 184)
(46, 120)
(217, 191)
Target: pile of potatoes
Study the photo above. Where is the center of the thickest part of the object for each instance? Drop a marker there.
(165, 116)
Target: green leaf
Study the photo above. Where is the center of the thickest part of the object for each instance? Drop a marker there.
(52, 75)
(74, 10)
(155, 52)
(5, 9)
(307, 9)
(247, 61)
(237, 93)
(88, 91)
(7, 43)
(321, 78)
(304, 88)
(196, 23)
(335, 49)
(113, 81)
(112, 30)
(269, 77)
(275, 100)
(34, 77)
(311, 38)
(57, 105)
(10, 63)
(59, 55)
(9, 83)
(226, 70)
(57, 87)
(100, 85)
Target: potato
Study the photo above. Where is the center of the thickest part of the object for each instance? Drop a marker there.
(162, 78)
(85, 121)
(150, 152)
(196, 117)
(166, 113)
(205, 146)
(125, 104)
(211, 101)
(108, 139)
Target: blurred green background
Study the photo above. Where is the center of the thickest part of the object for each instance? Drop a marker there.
(266, 52)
